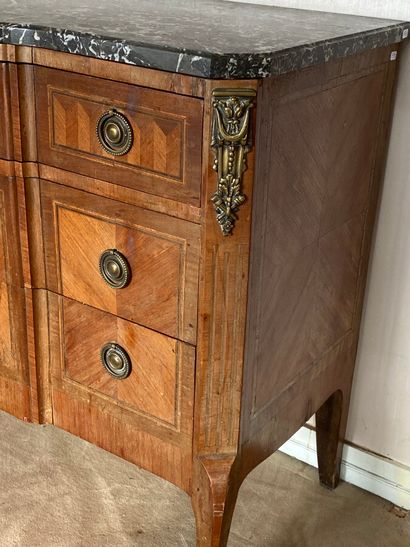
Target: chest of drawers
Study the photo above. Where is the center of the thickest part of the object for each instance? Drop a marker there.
(183, 259)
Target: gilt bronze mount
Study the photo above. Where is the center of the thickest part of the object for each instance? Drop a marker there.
(231, 142)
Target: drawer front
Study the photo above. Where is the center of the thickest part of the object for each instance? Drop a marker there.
(164, 156)
(152, 406)
(161, 254)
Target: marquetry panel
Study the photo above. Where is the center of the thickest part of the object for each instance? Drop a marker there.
(163, 254)
(309, 226)
(154, 385)
(165, 157)
(153, 405)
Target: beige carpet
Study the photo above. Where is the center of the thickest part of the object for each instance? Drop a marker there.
(57, 490)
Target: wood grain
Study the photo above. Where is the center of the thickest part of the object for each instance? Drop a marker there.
(146, 418)
(6, 52)
(16, 54)
(222, 315)
(214, 502)
(120, 193)
(317, 186)
(13, 361)
(6, 138)
(118, 72)
(23, 230)
(235, 341)
(10, 139)
(313, 191)
(163, 254)
(165, 158)
(9, 222)
(32, 362)
(311, 232)
(153, 387)
(40, 351)
(27, 109)
(14, 398)
(7, 168)
(329, 433)
(14, 389)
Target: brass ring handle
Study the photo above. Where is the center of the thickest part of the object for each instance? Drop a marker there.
(114, 133)
(114, 269)
(116, 360)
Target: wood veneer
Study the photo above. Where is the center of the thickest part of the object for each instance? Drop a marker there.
(119, 193)
(151, 411)
(163, 253)
(165, 157)
(315, 192)
(237, 339)
(119, 72)
(14, 379)
(10, 142)
(6, 136)
(153, 387)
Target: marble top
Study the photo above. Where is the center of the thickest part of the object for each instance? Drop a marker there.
(207, 38)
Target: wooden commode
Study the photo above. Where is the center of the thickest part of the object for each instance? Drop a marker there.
(183, 257)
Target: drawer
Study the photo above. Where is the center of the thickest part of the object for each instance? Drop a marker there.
(146, 416)
(155, 362)
(165, 130)
(160, 254)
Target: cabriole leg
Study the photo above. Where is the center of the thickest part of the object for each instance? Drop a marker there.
(214, 496)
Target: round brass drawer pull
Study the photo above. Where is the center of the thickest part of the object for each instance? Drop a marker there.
(114, 269)
(116, 361)
(114, 133)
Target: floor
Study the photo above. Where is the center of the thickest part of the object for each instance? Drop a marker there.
(57, 490)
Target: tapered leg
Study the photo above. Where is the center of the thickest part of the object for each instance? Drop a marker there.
(215, 490)
(331, 420)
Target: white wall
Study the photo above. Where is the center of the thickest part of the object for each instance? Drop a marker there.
(390, 9)
(380, 410)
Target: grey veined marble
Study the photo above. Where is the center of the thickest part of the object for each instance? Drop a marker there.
(208, 38)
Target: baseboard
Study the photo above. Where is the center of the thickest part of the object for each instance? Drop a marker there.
(385, 478)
